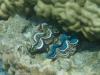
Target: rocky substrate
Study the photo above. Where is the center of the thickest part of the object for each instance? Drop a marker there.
(14, 48)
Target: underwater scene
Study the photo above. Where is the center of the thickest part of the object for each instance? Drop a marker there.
(49, 37)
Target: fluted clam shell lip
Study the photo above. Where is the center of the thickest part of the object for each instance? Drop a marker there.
(64, 46)
(74, 41)
(35, 36)
(41, 45)
(49, 36)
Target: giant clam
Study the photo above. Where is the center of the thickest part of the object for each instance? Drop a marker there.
(65, 47)
(44, 36)
(49, 39)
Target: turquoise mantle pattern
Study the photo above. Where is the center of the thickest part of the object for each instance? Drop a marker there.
(50, 39)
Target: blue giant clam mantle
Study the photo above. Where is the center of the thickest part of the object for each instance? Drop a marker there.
(65, 47)
(56, 44)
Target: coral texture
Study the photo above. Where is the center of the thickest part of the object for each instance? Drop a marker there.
(10, 7)
(74, 15)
